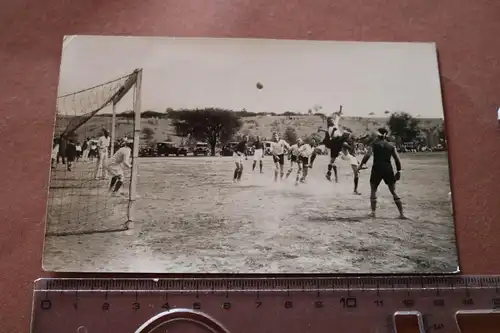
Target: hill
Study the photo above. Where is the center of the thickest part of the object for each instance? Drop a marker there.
(263, 126)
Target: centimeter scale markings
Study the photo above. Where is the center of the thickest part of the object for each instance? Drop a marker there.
(278, 305)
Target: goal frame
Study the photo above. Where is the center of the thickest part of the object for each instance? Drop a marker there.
(134, 82)
(135, 149)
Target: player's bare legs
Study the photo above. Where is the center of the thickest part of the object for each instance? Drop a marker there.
(313, 157)
(299, 173)
(356, 179)
(332, 166)
(238, 171)
(305, 169)
(260, 157)
(276, 171)
(116, 184)
(290, 170)
(397, 201)
(373, 199)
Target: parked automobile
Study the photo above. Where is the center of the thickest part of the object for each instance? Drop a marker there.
(201, 149)
(182, 151)
(147, 152)
(168, 148)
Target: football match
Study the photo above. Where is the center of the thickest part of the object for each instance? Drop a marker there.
(196, 155)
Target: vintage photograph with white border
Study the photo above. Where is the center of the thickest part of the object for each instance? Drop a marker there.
(203, 155)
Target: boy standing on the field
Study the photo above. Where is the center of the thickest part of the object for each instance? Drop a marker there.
(293, 157)
(304, 152)
(116, 163)
(240, 152)
(55, 153)
(70, 152)
(278, 148)
(258, 154)
(102, 157)
(348, 155)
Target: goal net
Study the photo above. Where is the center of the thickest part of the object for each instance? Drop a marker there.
(80, 201)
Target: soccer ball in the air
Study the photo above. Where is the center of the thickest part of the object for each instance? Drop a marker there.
(259, 85)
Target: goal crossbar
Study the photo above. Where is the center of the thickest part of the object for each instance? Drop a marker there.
(114, 99)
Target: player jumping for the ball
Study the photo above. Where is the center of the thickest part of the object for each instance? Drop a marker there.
(333, 140)
(239, 154)
(116, 163)
(278, 148)
(258, 154)
(383, 151)
(293, 157)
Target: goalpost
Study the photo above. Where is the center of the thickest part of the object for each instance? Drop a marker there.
(79, 201)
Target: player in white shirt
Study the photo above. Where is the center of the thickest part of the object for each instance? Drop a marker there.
(293, 157)
(346, 155)
(278, 149)
(78, 151)
(103, 145)
(55, 152)
(116, 163)
(305, 151)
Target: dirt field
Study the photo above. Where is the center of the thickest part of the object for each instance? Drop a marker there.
(192, 218)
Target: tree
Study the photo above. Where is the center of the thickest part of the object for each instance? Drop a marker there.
(321, 115)
(148, 133)
(210, 125)
(442, 135)
(290, 135)
(404, 126)
(313, 136)
(275, 126)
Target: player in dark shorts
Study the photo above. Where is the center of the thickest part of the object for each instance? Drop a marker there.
(304, 152)
(70, 152)
(335, 145)
(239, 154)
(313, 154)
(258, 153)
(383, 151)
(293, 156)
(333, 140)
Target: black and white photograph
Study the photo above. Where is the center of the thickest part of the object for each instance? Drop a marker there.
(216, 155)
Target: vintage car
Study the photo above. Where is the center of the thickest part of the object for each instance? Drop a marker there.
(201, 149)
(168, 148)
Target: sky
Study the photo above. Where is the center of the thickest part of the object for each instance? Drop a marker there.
(201, 72)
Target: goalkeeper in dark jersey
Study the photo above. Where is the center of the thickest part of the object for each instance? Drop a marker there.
(239, 154)
(383, 151)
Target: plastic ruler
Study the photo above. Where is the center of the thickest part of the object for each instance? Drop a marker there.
(455, 304)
